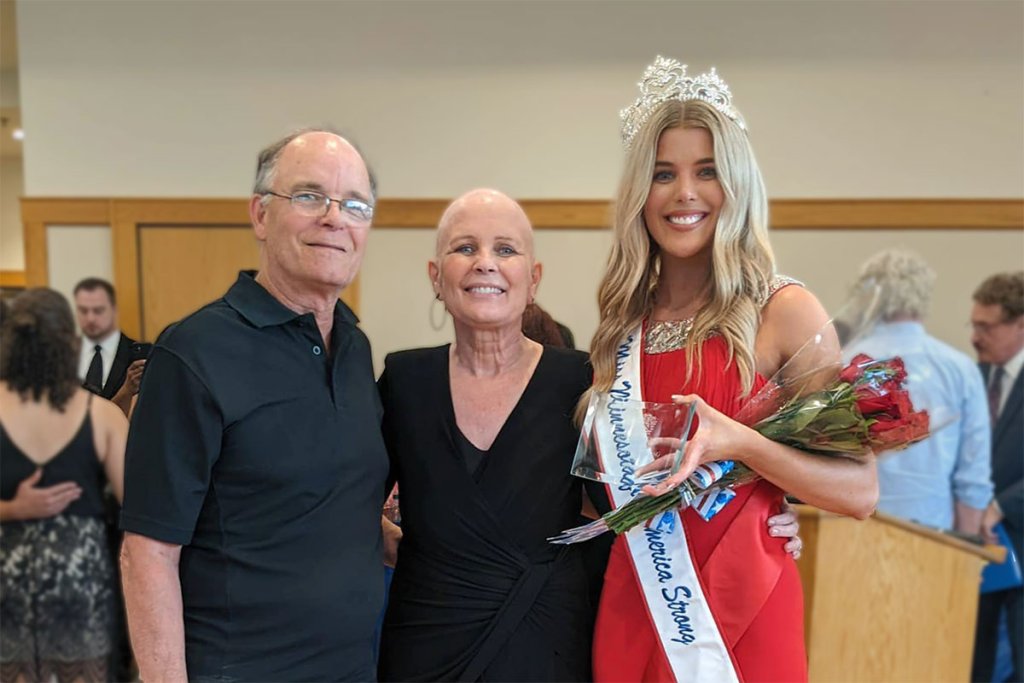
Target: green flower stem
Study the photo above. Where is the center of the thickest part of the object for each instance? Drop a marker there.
(640, 509)
(643, 508)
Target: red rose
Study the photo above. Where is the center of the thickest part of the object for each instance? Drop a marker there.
(897, 371)
(887, 433)
(766, 403)
(855, 370)
(875, 405)
(882, 423)
(903, 405)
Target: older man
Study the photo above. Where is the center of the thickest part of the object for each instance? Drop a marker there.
(997, 323)
(944, 481)
(255, 469)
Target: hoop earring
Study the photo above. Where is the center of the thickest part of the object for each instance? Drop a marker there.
(439, 325)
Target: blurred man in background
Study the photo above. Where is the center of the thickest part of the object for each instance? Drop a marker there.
(105, 364)
(997, 323)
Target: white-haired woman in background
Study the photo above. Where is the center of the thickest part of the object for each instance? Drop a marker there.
(946, 480)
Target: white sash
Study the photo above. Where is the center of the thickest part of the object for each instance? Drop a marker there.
(681, 614)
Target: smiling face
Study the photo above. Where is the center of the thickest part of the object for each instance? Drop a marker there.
(484, 271)
(308, 253)
(686, 196)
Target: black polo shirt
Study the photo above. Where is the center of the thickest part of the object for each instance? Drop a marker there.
(261, 454)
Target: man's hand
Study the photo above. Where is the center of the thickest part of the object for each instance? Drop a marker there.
(967, 520)
(33, 502)
(993, 515)
(392, 538)
(132, 379)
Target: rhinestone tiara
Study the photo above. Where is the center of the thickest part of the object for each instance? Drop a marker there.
(666, 80)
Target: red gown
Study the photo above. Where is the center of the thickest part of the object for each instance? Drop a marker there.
(752, 585)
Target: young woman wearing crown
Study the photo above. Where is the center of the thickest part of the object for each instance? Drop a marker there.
(693, 311)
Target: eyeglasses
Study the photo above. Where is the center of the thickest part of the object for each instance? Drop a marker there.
(317, 204)
(985, 329)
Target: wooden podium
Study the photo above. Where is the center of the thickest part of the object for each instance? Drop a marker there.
(888, 600)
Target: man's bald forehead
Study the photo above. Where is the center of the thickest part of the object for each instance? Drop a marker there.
(482, 201)
(327, 138)
(322, 142)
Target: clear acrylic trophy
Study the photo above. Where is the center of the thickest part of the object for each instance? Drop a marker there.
(620, 437)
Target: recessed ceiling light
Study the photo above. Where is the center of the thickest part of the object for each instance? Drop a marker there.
(18, 134)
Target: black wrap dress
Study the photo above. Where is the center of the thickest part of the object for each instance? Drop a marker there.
(478, 592)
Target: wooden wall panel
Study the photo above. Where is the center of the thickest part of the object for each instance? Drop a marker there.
(184, 268)
(897, 214)
(37, 213)
(13, 279)
(181, 269)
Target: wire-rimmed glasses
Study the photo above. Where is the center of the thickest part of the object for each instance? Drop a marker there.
(317, 204)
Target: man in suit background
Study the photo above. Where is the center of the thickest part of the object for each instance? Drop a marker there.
(997, 322)
(105, 363)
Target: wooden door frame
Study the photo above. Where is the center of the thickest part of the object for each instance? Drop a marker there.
(125, 218)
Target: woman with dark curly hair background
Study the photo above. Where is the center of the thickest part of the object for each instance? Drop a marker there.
(59, 446)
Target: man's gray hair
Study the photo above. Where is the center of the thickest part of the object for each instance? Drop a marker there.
(906, 282)
(266, 163)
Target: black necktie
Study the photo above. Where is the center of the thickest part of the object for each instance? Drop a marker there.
(94, 377)
(995, 392)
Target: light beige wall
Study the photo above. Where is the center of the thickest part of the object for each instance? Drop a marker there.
(12, 251)
(396, 294)
(829, 263)
(848, 99)
(77, 252)
(844, 99)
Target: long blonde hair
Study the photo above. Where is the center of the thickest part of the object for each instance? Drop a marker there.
(742, 260)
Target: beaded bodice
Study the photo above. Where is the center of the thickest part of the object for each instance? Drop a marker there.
(663, 336)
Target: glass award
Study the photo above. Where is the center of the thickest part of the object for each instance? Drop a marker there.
(620, 437)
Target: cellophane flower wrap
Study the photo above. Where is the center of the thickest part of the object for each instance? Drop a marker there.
(815, 404)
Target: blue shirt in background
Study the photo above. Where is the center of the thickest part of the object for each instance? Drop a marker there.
(952, 465)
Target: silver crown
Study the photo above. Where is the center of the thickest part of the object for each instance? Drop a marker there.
(666, 80)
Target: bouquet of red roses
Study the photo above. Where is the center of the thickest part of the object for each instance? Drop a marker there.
(865, 409)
